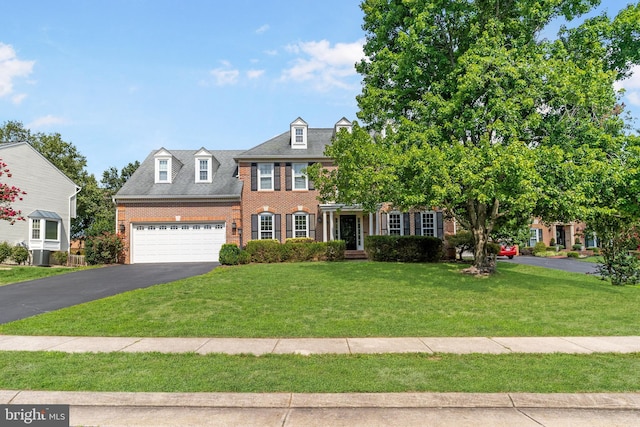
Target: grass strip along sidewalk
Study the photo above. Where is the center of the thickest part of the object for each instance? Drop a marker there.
(341, 300)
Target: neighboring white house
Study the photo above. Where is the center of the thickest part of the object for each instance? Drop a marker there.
(48, 206)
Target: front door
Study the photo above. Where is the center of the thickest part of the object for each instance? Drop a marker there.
(348, 231)
(560, 236)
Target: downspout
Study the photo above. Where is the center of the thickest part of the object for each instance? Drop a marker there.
(78, 190)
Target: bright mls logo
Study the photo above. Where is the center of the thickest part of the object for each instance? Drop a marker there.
(34, 415)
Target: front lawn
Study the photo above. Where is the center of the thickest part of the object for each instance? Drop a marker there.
(15, 273)
(355, 299)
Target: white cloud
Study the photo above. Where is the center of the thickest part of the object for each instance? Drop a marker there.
(45, 121)
(225, 75)
(263, 29)
(324, 66)
(10, 68)
(633, 98)
(272, 52)
(254, 74)
(17, 99)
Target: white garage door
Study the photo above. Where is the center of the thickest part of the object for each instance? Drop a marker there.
(177, 242)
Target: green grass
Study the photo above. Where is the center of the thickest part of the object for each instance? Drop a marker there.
(13, 273)
(146, 372)
(355, 299)
(592, 259)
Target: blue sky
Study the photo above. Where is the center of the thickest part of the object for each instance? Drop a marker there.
(120, 78)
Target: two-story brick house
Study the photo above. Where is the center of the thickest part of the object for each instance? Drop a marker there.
(182, 205)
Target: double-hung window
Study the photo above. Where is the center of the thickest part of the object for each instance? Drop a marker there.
(163, 170)
(395, 224)
(300, 225)
(265, 176)
(35, 229)
(51, 230)
(429, 224)
(266, 226)
(203, 170)
(299, 177)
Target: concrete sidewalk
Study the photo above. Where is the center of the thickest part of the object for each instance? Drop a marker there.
(343, 409)
(307, 346)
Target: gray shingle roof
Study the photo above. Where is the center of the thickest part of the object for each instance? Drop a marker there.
(225, 184)
(40, 214)
(279, 147)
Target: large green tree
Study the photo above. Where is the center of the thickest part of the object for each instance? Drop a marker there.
(472, 111)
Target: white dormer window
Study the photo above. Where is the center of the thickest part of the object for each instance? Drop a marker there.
(343, 124)
(163, 167)
(203, 166)
(299, 134)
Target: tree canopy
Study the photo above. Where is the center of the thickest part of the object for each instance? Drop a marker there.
(466, 108)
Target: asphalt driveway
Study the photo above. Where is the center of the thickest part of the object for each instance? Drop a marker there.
(27, 299)
(564, 264)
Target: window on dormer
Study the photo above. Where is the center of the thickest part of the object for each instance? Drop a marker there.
(299, 136)
(203, 170)
(163, 170)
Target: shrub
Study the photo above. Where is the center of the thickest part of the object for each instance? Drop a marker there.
(335, 250)
(264, 251)
(573, 254)
(5, 251)
(540, 248)
(577, 247)
(404, 248)
(19, 254)
(526, 250)
(463, 241)
(594, 249)
(552, 242)
(244, 257)
(104, 249)
(60, 257)
(229, 254)
(493, 248)
(302, 249)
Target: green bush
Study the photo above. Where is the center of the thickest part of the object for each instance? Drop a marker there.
(577, 247)
(404, 248)
(19, 254)
(493, 248)
(244, 258)
(552, 242)
(229, 254)
(297, 250)
(573, 254)
(595, 249)
(5, 251)
(106, 248)
(462, 241)
(528, 250)
(540, 248)
(264, 251)
(60, 257)
(335, 250)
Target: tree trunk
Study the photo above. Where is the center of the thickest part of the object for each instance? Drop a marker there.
(481, 220)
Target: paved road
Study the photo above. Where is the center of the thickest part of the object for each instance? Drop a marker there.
(565, 264)
(27, 299)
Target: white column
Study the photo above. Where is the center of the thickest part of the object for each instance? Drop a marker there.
(378, 223)
(324, 226)
(331, 233)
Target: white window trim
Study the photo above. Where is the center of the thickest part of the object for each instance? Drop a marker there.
(294, 174)
(209, 169)
(273, 226)
(57, 239)
(34, 228)
(433, 229)
(169, 168)
(401, 223)
(537, 238)
(295, 229)
(271, 176)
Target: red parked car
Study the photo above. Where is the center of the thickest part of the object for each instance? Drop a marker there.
(508, 251)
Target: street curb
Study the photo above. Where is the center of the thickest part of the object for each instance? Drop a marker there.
(610, 401)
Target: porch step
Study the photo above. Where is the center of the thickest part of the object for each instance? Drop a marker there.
(355, 255)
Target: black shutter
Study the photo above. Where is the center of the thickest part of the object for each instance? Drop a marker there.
(311, 186)
(276, 176)
(312, 226)
(417, 216)
(287, 177)
(254, 177)
(406, 222)
(289, 219)
(254, 227)
(278, 227)
(440, 225)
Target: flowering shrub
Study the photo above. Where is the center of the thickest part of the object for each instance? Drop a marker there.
(8, 195)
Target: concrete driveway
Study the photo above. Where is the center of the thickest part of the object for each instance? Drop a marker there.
(564, 264)
(26, 299)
